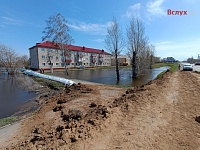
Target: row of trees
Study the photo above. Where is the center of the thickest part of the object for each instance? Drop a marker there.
(139, 49)
(10, 60)
(57, 30)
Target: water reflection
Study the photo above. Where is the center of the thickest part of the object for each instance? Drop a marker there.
(108, 76)
(11, 95)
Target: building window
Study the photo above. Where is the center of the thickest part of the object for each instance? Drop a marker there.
(43, 50)
(56, 51)
(43, 57)
(50, 64)
(57, 57)
(43, 64)
(57, 64)
(72, 63)
(50, 51)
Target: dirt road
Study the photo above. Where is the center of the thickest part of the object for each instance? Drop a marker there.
(158, 116)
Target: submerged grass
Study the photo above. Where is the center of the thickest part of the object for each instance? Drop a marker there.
(51, 84)
(173, 67)
(8, 120)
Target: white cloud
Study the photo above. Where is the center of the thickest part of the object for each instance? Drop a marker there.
(98, 40)
(154, 8)
(164, 43)
(11, 21)
(8, 20)
(180, 50)
(133, 10)
(92, 28)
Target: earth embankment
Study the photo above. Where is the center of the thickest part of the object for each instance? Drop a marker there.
(160, 115)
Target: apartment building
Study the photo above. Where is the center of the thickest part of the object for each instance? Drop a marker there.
(41, 53)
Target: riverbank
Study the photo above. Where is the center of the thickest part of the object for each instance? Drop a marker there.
(27, 106)
(88, 117)
(45, 87)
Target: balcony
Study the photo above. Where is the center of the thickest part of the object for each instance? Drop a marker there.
(67, 54)
(100, 56)
(68, 60)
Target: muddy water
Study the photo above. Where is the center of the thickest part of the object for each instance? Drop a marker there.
(12, 96)
(108, 76)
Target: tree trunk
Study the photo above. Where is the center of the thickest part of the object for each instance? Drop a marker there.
(151, 61)
(66, 69)
(134, 74)
(51, 68)
(117, 68)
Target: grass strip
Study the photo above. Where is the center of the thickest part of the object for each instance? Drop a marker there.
(49, 83)
(8, 120)
(173, 67)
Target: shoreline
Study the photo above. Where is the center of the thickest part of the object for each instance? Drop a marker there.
(33, 104)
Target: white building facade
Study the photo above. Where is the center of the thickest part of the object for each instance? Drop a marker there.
(41, 53)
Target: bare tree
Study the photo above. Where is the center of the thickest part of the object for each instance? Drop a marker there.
(57, 31)
(114, 42)
(151, 54)
(137, 43)
(24, 61)
(49, 58)
(9, 59)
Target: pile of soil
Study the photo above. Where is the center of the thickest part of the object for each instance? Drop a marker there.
(63, 124)
(154, 116)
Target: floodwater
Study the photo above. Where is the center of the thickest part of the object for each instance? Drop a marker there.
(11, 95)
(108, 76)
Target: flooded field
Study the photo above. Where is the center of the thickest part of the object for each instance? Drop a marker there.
(12, 96)
(108, 76)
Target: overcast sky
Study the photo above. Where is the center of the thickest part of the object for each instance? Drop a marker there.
(22, 23)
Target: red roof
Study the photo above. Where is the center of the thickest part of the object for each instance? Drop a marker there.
(48, 44)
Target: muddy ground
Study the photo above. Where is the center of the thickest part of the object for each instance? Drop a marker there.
(164, 114)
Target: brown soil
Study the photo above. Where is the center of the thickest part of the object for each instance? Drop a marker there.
(164, 114)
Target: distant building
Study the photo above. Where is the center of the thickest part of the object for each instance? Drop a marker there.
(193, 60)
(121, 59)
(169, 60)
(75, 56)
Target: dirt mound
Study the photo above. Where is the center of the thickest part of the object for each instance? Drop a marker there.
(158, 115)
(68, 125)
